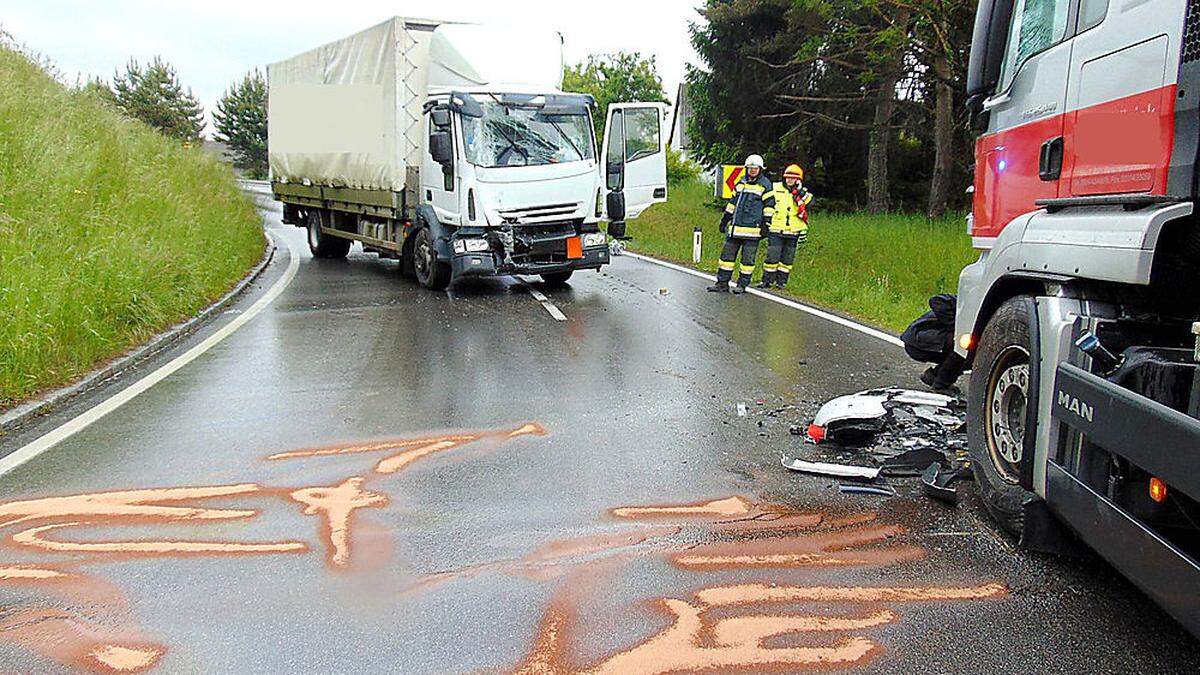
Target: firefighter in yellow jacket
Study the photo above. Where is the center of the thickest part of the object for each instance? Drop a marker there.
(788, 228)
(745, 223)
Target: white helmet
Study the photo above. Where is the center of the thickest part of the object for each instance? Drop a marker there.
(754, 161)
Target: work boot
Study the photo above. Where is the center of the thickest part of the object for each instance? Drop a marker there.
(738, 290)
(765, 283)
(719, 287)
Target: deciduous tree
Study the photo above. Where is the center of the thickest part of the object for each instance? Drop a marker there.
(613, 78)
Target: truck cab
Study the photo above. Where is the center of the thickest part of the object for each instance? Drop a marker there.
(515, 179)
(1080, 322)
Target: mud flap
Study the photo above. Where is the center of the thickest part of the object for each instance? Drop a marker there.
(1043, 532)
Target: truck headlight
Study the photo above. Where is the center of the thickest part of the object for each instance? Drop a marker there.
(594, 239)
(476, 245)
(460, 246)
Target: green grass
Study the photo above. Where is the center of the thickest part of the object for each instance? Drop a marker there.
(880, 269)
(109, 232)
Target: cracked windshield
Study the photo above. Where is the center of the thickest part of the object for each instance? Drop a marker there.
(511, 136)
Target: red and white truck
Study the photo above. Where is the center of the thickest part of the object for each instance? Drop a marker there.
(1079, 319)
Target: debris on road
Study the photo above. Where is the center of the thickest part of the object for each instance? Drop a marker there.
(741, 409)
(938, 482)
(836, 470)
(913, 462)
(888, 432)
(858, 418)
(880, 490)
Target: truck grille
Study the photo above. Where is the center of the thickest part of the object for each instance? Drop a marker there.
(1191, 32)
(538, 214)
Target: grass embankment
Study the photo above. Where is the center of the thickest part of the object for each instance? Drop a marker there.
(109, 232)
(881, 269)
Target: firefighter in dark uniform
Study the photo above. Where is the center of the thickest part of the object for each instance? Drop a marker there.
(789, 227)
(746, 220)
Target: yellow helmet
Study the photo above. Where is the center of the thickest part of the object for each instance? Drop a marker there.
(794, 171)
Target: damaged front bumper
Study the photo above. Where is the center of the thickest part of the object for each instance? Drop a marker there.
(490, 265)
(543, 250)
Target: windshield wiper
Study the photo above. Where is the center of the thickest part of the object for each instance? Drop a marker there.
(566, 138)
(500, 130)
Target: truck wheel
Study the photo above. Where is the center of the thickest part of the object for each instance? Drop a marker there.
(1002, 401)
(321, 244)
(431, 273)
(557, 278)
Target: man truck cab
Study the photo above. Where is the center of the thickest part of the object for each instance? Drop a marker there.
(1080, 321)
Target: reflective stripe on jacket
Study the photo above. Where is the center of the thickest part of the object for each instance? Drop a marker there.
(788, 219)
(752, 202)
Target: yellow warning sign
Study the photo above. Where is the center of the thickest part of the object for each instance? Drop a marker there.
(730, 175)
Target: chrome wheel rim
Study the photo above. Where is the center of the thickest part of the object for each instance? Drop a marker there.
(1007, 402)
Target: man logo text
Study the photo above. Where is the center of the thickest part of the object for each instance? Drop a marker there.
(1081, 409)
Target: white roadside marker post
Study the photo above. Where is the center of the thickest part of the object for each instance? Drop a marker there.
(697, 237)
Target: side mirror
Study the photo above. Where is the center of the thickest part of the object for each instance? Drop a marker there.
(441, 147)
(977, 116)
(615, 174)
(616, 207)
(440, 118)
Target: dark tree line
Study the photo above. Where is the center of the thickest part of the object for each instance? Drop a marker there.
(866, 95)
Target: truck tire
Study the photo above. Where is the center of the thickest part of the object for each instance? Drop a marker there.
(321, 244)
(557, 278)
(431, 272)
(1001, 404)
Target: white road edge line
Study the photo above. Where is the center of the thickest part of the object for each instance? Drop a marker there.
(841, 321)
(87, 418)
(550, 306)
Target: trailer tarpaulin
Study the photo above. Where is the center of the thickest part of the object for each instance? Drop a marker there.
(348, 113)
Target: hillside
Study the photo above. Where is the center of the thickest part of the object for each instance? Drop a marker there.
(109, 231)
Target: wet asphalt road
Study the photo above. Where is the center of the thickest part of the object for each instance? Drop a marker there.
(496, 448)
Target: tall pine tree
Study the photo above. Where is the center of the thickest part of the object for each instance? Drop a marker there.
(154, 95)
(241, 122)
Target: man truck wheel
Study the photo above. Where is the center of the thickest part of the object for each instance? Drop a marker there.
(430, 272)
(1001, 401)
(321, 244)
(557, 278)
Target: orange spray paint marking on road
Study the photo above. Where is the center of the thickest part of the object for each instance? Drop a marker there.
(135, 507)
(826, 548)
(72, 642)
(337, 505)
(126, 659)
(718, 508)
(748, 594)
(33, 538)
(736, 627)
(19, 574)
(413, 449)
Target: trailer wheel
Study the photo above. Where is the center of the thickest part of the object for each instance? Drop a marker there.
(1001, 404)
(431, 273)
(557, 278)
(321, 244)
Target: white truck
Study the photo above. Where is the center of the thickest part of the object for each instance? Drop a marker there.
(453, 148)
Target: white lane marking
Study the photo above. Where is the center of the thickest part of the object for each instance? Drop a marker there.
(87, 418)
(550, 307)
(841, 321)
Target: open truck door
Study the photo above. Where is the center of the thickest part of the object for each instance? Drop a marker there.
(634, 161)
